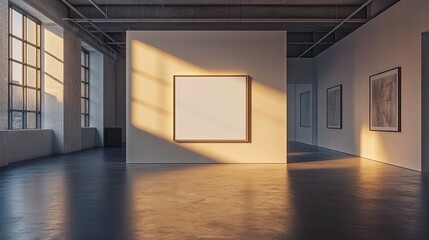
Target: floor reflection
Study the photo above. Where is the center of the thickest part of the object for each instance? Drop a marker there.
(95, 195)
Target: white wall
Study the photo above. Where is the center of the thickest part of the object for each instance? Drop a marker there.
(153, 57)
(393, 39)
(18, 145)
(302, 134)
(301, 79)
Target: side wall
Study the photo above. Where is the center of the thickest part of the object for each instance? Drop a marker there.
(19, 145)
(61, 44)
(301, 78)
(153, 57)
(303, 134)
(393, 39)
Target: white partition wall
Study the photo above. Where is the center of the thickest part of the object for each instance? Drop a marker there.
(238, 121)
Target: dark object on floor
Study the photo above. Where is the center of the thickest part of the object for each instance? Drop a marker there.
(113, 137)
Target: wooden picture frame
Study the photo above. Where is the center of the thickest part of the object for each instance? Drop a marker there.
(385, 101)
(211, 108)
(334, 107)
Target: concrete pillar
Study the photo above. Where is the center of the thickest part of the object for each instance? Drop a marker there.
(3, 66)
(96, 106)
(109, 92)
(61, 95)
(53, 84)
(72, 109)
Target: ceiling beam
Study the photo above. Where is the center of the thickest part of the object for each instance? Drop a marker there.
(221, 11)
(337, 27)
(98, 8)
(214, 20)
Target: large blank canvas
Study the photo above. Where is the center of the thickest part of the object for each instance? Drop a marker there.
(210, 108)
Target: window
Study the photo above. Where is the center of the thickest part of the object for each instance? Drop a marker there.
(84, 88)
(24, 70)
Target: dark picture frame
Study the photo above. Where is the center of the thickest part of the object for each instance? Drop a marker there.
(305, 109)
(334, 107)
(385, 101)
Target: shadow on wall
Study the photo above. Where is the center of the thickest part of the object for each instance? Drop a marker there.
(151, 109)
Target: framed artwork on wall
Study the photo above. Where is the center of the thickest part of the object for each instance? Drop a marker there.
(305, 109)
(334, 107)
(385, 101)
(211, 108)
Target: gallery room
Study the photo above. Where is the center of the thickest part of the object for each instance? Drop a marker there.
(220, 119)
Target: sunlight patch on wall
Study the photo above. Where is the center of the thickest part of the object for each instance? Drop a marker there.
(371, 146)
(151, 107)
(53, 65)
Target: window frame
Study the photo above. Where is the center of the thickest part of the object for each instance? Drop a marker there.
(26, 43)
(86, 82)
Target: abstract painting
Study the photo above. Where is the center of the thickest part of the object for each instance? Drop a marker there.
(334, 107)
(305, 109)
(385, 101)
(212, 108)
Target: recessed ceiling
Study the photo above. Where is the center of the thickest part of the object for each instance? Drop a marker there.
(306, 21)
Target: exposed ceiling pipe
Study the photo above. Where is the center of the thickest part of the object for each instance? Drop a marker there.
(215, 20)
(87, 20)
(98, 8)
(338, 26)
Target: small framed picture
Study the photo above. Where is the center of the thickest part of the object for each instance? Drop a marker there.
(334, 111)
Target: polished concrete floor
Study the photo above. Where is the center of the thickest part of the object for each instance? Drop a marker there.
(95, 195)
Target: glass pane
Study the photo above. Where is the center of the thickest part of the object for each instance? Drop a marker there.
(31, 77)
(17, 49)
(16, 120)
(82, 120)
(31, 31)
(31, 55)
(82, 90)
(86, 121)
(38, 78)
(31, 100)
(17, 73)
(86, 60)
(31, 120)
(17, 23)
(38, 100)
(86, 75)
(38, 35)
(86, 105)
(82, 105)
(38, 58)
(82, 58)
(38, 121)
(82, 74)
(17, 101)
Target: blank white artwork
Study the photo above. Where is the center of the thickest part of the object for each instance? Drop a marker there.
(211, 108)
